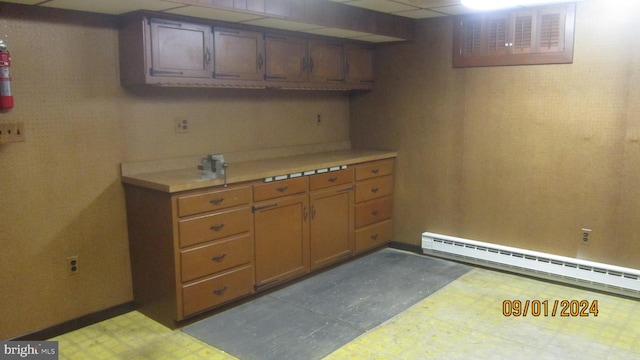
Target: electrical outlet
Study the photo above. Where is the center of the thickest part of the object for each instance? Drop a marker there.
(72, 265)
(12, 132)
(586, 233)
(181, 125)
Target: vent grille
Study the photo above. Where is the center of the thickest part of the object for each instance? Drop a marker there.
(585, 273)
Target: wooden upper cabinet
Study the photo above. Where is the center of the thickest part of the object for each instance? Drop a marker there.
(180, 49)
(326, 61)
(359, 64)
(286, 58)
(239, 54)
(541, 35)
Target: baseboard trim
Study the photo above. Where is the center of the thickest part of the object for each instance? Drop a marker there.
(77, 323)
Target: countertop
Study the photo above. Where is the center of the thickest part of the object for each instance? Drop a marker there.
(172, 181)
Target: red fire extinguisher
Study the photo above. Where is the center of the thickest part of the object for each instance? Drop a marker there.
(6, 99)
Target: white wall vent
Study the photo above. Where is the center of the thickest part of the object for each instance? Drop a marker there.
(589, 274)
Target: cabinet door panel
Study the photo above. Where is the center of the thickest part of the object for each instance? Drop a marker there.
(326, 61)
(180, 49)
(213, 200)
(360, 67)
(373, 212)
(333, 178)
(286, 58)
(280, 188)
(374, 188)
(281, 238)
(331, 233)
(374, 169)
(214, 257)
(374, 235)
(238, 54)
(216, 290)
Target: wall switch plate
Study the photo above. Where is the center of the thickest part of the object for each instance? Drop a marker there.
(181, 125)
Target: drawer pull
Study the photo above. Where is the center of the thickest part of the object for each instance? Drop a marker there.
(282, 189)
(374, 237)
(217, 227)
(375, 190)
(375, 171)
(216, 201)
(333, 179)
(219, 258)
(220, 291)
(258, 208)
(375, 213)
(345, 189)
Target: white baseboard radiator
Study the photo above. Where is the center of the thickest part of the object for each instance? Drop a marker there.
(615, 279)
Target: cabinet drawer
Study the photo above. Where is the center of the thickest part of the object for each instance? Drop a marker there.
(216, 226)
(374, 235)
(374, 169)
(333, 178)
(280, 188)
(374, 188)
(373, 211)
(216, 290)
(213, 200)
(215, 257)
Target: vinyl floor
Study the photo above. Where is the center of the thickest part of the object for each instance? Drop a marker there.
(463, 319)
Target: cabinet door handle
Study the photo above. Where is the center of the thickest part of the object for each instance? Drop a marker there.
(310, 65)
(374, 237)
(217, 227)
(375, 190)
(375, 171)
(306, 213)
(220, 291)
(217, 201)
(207, 56)
(375, 212)
(333, 179)
(313, 212)
(346, 189)
(258, 208)
(260, 61)
(304, 64)
(282, 189)
(219, 258)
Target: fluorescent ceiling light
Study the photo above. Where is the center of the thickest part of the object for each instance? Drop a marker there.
(503, 4)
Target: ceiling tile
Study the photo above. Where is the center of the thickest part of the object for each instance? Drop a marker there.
(214, 14)
(429, 3)
(282, 24)
(24, 2)
(380, 5)
(455, 10)
(335, 32)
(114, 7)
(376, 38)
(419, 14)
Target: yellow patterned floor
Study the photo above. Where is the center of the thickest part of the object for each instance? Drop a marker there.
(463, 320)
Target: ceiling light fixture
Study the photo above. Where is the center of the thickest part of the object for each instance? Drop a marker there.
(504, 4)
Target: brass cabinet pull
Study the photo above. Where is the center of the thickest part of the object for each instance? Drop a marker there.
(313, 212)
(219, 258)
(375, 190)
(220, 291)
(216, 201)
(258, 208)
(333, 179)
(282, 189)
(306, 213)
(375, 213)
(217, 227)
(374, 237)
(375, 171)
(260, 61)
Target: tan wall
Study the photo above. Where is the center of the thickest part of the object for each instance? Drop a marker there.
(60, 193)
(524, 156)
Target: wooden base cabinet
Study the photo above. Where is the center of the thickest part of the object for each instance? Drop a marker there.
(189, 251)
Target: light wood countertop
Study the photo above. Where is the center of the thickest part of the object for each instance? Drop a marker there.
(172, 181)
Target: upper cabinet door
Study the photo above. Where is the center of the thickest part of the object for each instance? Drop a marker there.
(239, 54)
(286, 58)
(359, 63)
(180, 49)
(326, 61)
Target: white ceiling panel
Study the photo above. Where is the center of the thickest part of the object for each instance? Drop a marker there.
(380, 5)
(214, 14)
(376, 38)
(335, 32)
(115, 7)
(419, 14)
(282, 24)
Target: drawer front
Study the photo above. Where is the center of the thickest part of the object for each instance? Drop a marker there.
(280, 188)
(373, 212)
(215, 257)
(215, 226)
(374, 169)
(216, 290)
(213, 200)
(374, 235)
(333, 178)
(374, 188)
